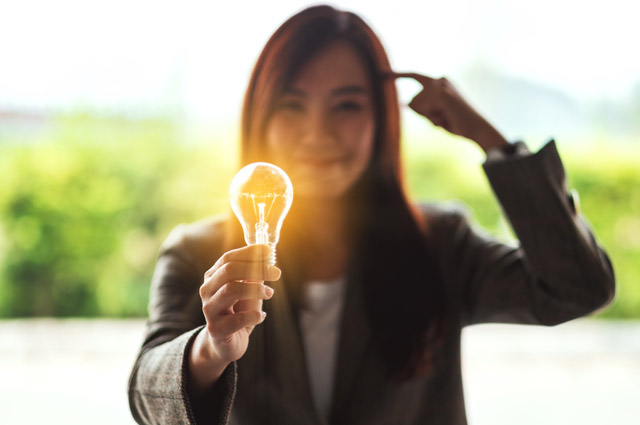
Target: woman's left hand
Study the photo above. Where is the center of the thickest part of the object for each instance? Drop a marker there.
(441, 103)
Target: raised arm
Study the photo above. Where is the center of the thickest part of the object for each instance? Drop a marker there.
(557, 273)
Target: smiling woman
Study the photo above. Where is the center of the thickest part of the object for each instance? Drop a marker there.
(363, 322)
(323, 125)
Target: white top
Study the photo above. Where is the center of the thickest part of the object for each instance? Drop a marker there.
(320, 323)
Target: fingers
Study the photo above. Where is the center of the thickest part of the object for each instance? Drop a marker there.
(227, 325)
(422, 79)
(431, 86)
(246, 271)
(428, 98)
(250, 253)
(233, 292)
(223, 318)
(247, 305)
(431, 102)
(222, 302)
(242, 264)
(256, 272)
(238, 276)
(437, 117)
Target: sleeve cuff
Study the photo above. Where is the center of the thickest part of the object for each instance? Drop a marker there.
(215, 405)
(514, 150)
(529, 186)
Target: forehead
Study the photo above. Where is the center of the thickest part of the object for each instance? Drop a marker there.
(336, 65)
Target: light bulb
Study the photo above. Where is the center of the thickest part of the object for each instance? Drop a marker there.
(261, 195)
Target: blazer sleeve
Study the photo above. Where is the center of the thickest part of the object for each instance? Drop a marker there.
(158, 381)
(557, 273)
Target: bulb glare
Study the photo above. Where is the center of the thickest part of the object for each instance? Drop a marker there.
(261, 195)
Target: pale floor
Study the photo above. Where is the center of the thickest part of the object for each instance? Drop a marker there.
(585, 372)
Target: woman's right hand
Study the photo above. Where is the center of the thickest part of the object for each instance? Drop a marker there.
(232, 295)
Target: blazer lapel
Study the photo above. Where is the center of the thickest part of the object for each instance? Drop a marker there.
(275, 361)
(355, 342)
(286, 351)
(273, 386)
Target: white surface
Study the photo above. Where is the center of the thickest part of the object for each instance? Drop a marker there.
(585, 372)
(319, 320)
(197, 55)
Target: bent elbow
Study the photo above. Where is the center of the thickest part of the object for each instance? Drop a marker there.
(603, 284)
(562, 309)
(607, 294)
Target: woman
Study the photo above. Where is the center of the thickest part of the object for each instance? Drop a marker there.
(363, 322)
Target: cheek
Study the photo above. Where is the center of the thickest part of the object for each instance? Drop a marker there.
(280, 136)
(359, 135)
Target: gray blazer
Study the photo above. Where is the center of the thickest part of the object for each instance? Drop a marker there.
(557, 274)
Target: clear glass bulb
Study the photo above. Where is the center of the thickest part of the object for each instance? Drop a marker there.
(261, 195)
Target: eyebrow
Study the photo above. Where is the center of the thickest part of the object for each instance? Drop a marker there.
(350, 89)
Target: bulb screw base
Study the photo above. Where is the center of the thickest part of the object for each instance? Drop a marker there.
(271, 259)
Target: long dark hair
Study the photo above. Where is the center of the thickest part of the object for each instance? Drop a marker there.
(404, 298)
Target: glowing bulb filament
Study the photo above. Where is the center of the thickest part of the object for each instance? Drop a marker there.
(262, 227)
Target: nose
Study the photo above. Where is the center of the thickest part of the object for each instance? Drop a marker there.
(317, 132)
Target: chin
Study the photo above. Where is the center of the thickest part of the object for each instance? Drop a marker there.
(326, 191)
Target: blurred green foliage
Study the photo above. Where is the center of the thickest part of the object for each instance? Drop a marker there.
(83, 213)
(84, 210)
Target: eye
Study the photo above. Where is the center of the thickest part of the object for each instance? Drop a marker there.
(290, 105)
(348, 106)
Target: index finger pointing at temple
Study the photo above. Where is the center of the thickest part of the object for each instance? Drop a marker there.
(422, 79)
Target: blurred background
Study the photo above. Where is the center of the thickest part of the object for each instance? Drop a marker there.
(119, 120)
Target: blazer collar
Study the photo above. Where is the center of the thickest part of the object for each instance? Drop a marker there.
(281, 344)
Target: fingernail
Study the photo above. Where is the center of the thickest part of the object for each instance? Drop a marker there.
(268, 291)
(273, 272)
(263, 314)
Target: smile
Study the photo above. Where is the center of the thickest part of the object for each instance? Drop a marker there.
(320, 162)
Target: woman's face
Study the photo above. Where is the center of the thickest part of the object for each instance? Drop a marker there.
(321, 131)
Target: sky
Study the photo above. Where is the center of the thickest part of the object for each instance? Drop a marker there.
(194, 57)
